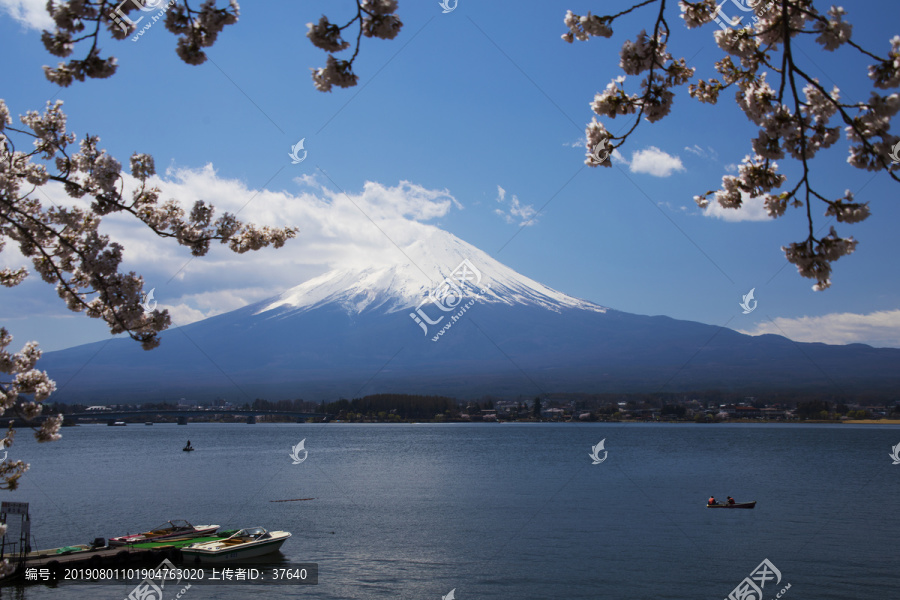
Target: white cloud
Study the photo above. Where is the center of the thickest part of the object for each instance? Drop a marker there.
(880, 329)
(654, 161)
(31, 13)
(695, 149)
(194, 307)
(336, 230)
(707, 152)
(183, 314)
(672, 207)
(752, 209)
(311, 180)
(523, 213)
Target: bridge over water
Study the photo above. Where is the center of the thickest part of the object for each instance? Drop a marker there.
(183, 415)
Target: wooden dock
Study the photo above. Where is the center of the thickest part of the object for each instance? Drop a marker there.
(116, 556)
(16, 548)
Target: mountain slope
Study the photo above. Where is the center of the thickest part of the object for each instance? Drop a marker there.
(366, 330)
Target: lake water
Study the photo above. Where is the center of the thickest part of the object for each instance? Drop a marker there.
(513, 511)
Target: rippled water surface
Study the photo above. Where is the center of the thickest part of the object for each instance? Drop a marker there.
(492, 510)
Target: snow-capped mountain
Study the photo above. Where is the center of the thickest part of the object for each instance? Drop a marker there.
(420, 268)
(446, 318)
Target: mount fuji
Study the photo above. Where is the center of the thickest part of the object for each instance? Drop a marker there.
(449, 319)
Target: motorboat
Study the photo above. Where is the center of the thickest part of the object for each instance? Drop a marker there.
(177, 528)
(245, 543)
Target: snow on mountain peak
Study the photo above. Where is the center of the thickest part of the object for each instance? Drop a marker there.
(422, 266)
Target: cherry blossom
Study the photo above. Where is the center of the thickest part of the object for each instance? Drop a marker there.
(336, 72)
(197, 29)
(795, 113)
(374, 18)
(326, 35)
(67, 249)
(18, 380)
(580, 28)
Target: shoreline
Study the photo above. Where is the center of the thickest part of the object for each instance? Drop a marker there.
(626, 422)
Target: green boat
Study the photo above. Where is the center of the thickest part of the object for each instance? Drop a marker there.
(182, 542)
(58, 551)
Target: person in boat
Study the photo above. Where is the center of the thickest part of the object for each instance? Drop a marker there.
(730, 500)
(188, 445)
(711, 501)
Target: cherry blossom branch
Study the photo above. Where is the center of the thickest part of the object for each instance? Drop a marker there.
(196, 29)
(26, 381)
(65, 245)
(67, 249)
(375, 19)
(635, 7)
(850, 121)
(801, 131)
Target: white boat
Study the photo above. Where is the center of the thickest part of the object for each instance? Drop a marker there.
(246, 543)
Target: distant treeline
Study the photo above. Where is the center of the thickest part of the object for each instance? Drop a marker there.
(414, 406)
(404, 406)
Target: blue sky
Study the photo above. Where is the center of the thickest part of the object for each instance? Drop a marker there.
(460, 105)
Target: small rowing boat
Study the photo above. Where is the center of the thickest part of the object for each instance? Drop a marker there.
(735, 505)
(98, 543)
(65, 550)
